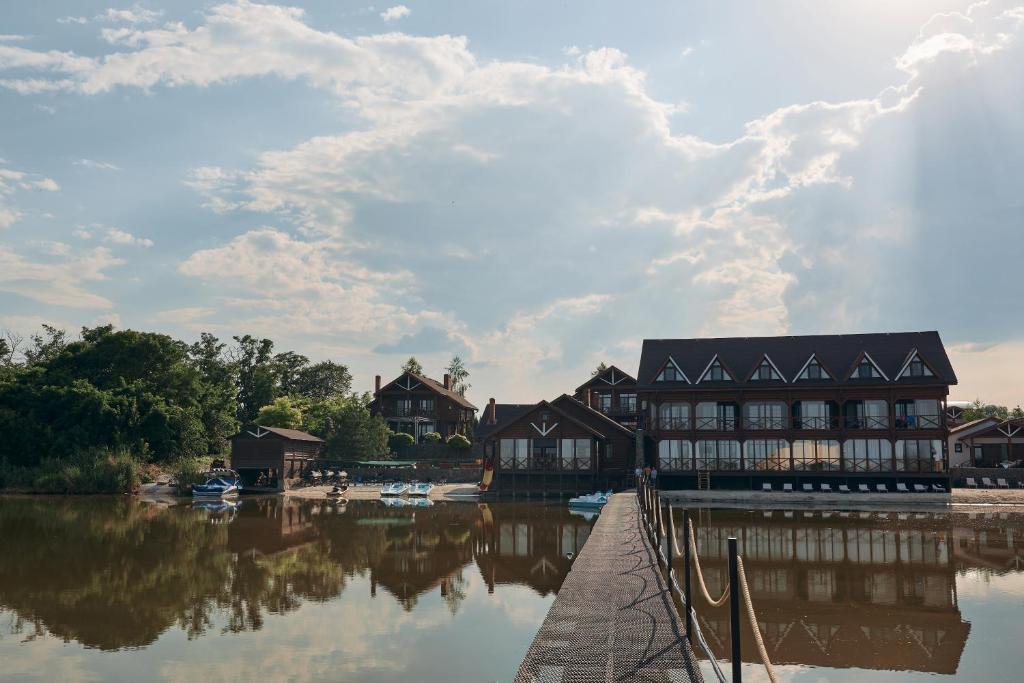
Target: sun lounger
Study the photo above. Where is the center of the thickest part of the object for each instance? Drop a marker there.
(787, 487)
(902, 488)
(920, 488)
(987, 483)
(938, 488)
(808, 488)
(1002, 483)
(766, 487)
(863, 488)
(971, 484)
(843, 488)
(882, 488)
(825, 488)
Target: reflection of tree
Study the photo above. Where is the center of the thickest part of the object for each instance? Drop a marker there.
(453, 590)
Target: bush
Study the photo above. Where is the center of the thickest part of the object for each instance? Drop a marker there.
(92, 471)
(458, 442)
(189, 472)
(400, 441)
(432, 437)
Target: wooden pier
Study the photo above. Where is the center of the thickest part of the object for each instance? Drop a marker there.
(613, 619)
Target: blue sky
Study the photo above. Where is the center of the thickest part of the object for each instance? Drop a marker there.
(536, 186)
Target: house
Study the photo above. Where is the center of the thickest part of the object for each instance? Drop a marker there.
(986, 442)
(740, 412)
(269, 457)
(613, 392)
(560, 445)
(417, 405)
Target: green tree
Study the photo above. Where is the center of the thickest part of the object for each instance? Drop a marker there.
(352, 431)
(256, 375)
(217, 397)
(47, 346)
(288, 367)
(412, 365)
(324, 380)
(601, 367)
(459, 374)
(281, 413)
(978, 409)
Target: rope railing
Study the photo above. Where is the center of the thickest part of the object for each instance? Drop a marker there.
(654, 524)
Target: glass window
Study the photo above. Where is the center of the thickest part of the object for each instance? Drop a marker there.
(568, 453)
(917, 414)
(627, 403)
(716, 416)
(584, 459)
(674, 454)
(604, 402)
(766, 415)
(917, 368)
(766, 454)
(674, 416)
(813, 415)
(820, 455)
(813, 371)
(871, 414)
(867, 370)
(716, 373)
(718, 454)
(522, 454)
(404, 407)
(919, 455)
(670, 373)
(867, 455)
(427, 405)
(507, 457)
(765, 371)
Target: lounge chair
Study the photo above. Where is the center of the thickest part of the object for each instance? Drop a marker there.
(987, 483)
(843, 488)
(882, 488)
(1002, 484)
(920, 488)
(863, 488)
(825, 488)
(808, 488)
(901, 487)
(787, 487)
(938, 488)
(971, 484)
(766, 487)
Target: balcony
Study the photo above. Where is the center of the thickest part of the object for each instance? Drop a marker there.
(618, 411)
(815, 423)
(414, 413)
(756, 424)
(716, 424)
(867, 422)
(676, 424)
(910, 422)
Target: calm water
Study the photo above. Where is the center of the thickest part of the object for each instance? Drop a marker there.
(873, 596)
(117, 590)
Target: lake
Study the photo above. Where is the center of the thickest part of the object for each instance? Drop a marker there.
(113, 589)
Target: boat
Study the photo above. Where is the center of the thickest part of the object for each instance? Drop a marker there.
(393, 502)
(420, 488)
(337, 491)
(397, 488)
(217, 487)
(593, 501)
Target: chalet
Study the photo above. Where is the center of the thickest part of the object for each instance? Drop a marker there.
(417, 405)
(987, 442)
(613, 392)
(269, 457)
(560, 445)
(740, 412)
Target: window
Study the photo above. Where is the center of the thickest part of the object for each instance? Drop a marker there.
(627, 403)
(813, 370)
(814, 415)
(872, 414)
(427, 405)
(671, 373)
(766, 415)
(766, 455)
(766, 371)
(716, 373)
(604, 403)
(718, 455)
(917, 368)
(514, 454)
(919, 455)
(674, 454)
(917, 414)
(867, 455)
(674, 416)
(816, 456)
(404, 407)
(867, 370)
(575, 454)
(720, 417)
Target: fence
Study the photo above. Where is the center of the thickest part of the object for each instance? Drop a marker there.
(661, 530)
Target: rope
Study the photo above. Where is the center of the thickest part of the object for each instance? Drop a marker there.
(704, 646)
(700, 576)
(745, 590)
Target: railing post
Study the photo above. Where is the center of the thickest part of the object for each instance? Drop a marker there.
(670, 529)
(734, 612)
(686, 572)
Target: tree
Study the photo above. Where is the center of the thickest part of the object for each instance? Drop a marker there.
(324, 380)
(217, 397)
(352, 431)
(255, 381)
(601, 367)
(281, 413)
(46, 348)
(459, 374)
(288, 367)
(979, 409)
(412, 365)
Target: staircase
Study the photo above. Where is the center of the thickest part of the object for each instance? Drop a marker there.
(703, 481)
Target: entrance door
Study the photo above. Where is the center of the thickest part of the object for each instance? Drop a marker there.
(545, 454)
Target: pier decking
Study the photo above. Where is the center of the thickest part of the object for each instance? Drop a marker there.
(613, 619)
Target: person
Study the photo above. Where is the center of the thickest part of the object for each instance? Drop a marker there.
(654, 476)
(647, 473)
(637, 473)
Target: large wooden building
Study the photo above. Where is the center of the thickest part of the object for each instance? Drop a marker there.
(740, 412)
(271, 457)
(612, 392)
(417, 405)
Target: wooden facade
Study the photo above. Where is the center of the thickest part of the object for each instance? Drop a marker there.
(269, 458)
(612, 392)
(417, 405)
(862, 408)
(560, 446)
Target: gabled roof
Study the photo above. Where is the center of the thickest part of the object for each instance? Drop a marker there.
(836, 352)
(504, 413)
(611, 377)
(571, 403)
(259, 431)
(568, 407)
(973, 426)
(432, 384)
(555, 409)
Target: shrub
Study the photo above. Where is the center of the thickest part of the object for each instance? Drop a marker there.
(432, 437)
(189, 472)
(91, 471)
(400, 441)
(458, 442)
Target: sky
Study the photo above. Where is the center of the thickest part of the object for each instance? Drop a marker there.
(535, 186)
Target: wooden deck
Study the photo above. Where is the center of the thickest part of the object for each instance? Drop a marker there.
(613, 619)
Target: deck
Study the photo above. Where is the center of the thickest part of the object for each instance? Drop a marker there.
(613, 619)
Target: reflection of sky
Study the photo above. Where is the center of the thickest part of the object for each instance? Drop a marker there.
(355, 637)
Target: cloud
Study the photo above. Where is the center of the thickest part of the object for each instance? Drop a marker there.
(426, 340)
(99, 165)
(61, 283)
(13, 181)
(117, 236)
(396, 12)
(136, 14)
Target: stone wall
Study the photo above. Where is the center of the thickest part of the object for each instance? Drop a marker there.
(1013, 476)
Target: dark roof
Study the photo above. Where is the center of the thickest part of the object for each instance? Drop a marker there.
(613, 376)
(435, 386)
(504, 412)
(291, 434)
(838, 353)
(993, 421)
(578, 409)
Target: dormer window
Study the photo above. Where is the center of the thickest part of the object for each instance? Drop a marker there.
(715, 372)
(671, 373)
(917, 368)
(813, 370)
(766, 372)
(867, 370)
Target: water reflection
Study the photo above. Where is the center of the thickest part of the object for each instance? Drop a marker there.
(867, 590)
(114, 573)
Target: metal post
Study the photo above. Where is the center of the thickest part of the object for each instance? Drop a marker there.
(670, 527)
(686, 572)
(734, 612)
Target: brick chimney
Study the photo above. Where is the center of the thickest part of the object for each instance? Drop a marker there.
(447, 381)
(586, 397)
(492, 413)
(376, 386)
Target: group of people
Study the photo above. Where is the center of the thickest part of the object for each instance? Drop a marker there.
(648, 474)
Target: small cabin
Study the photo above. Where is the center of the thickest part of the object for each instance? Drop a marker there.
(268, 458)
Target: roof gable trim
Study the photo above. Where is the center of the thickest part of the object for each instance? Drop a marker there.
(671, 361)
(725, 371)
(813, 358)
(766, 359)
